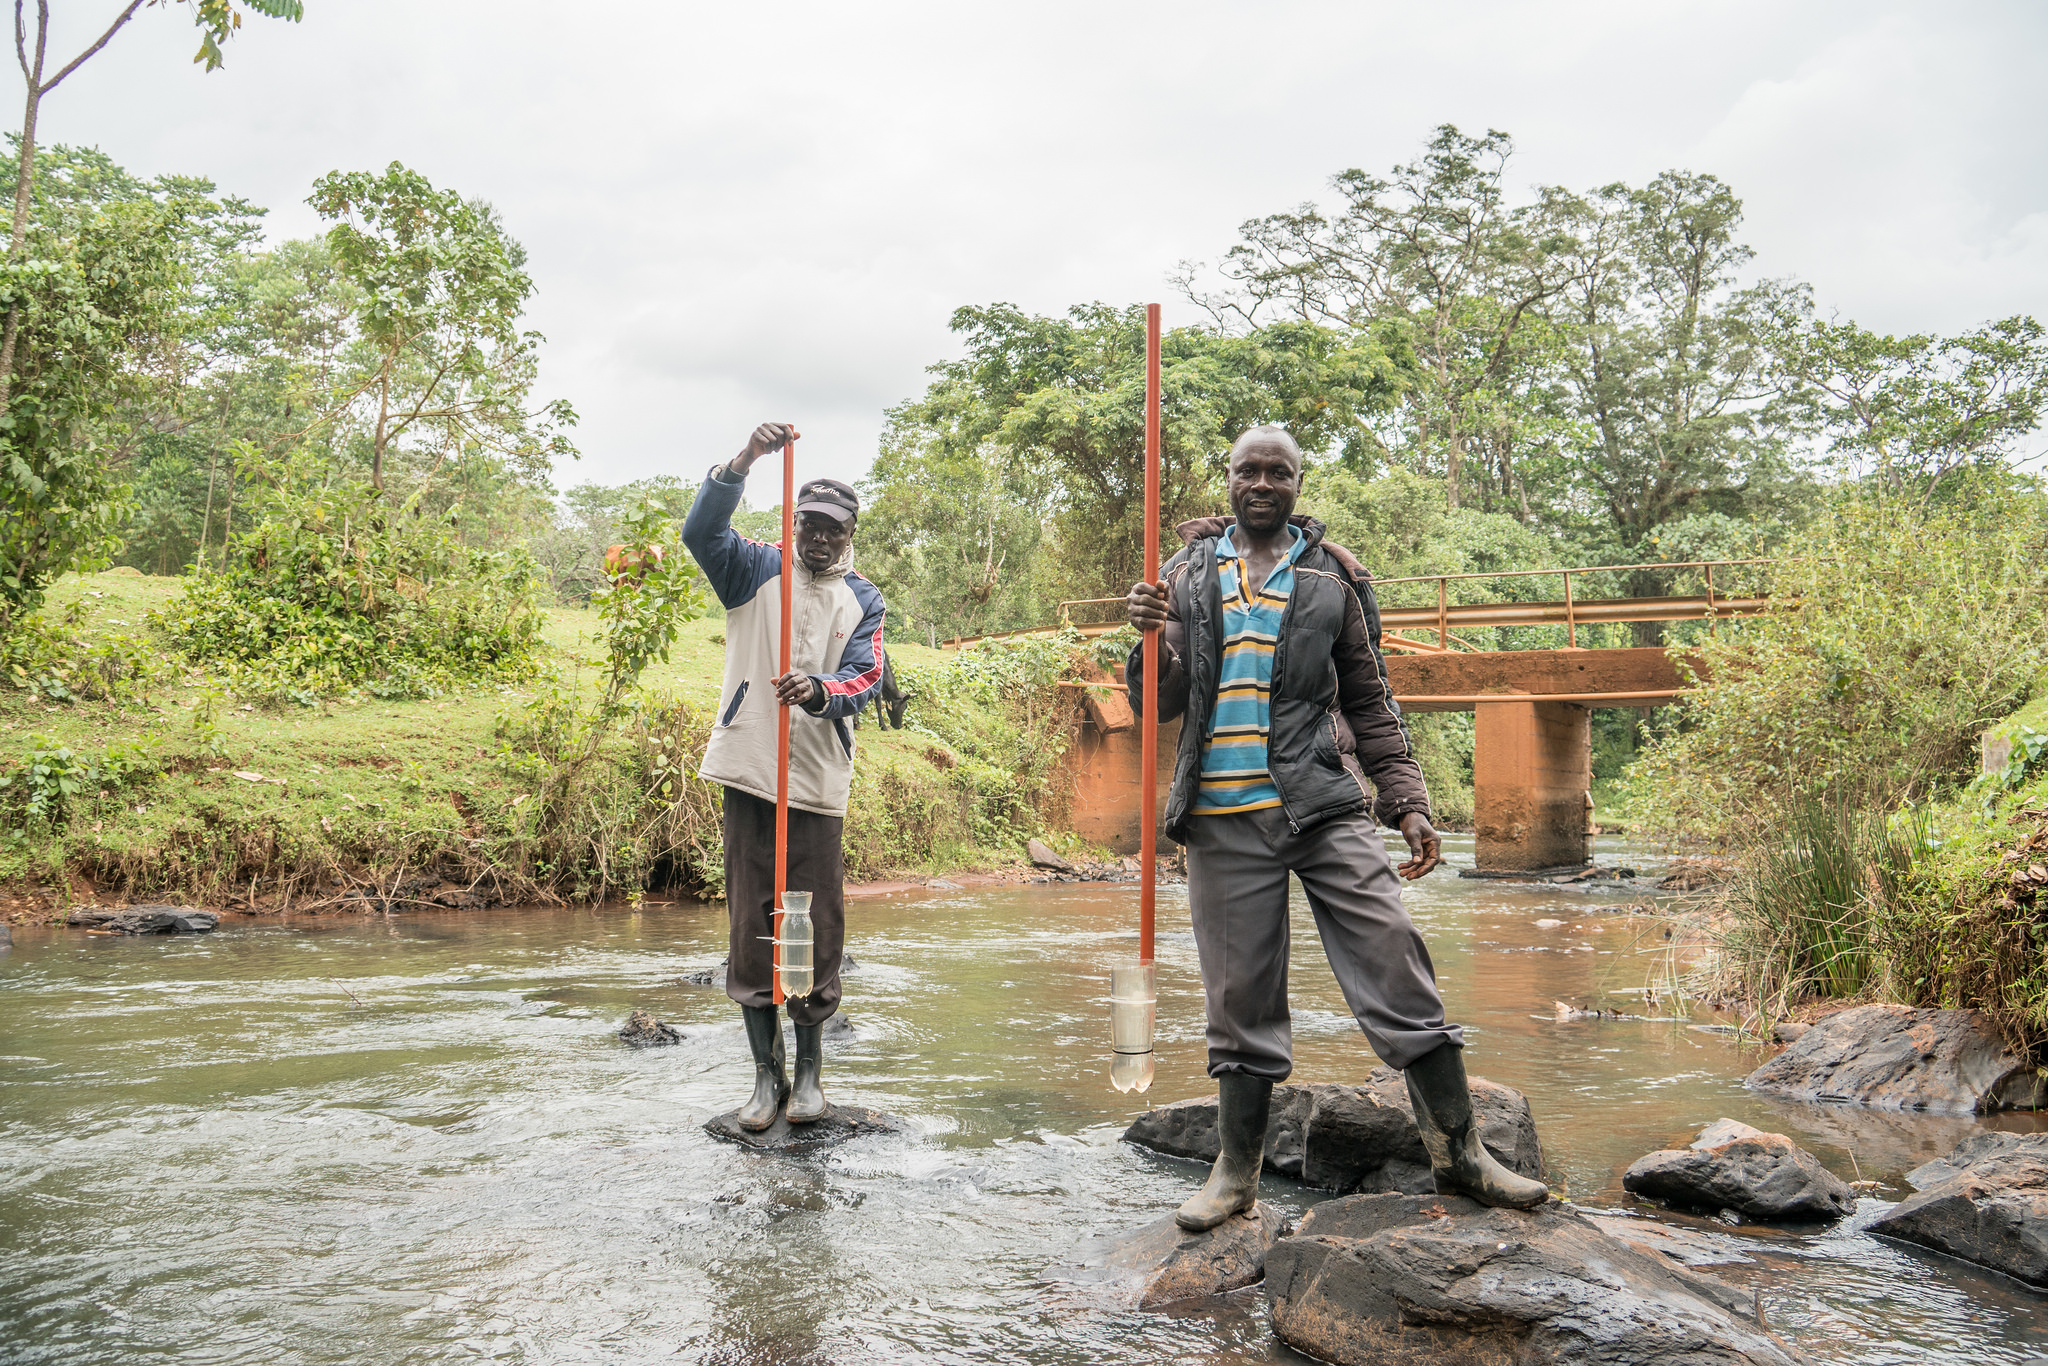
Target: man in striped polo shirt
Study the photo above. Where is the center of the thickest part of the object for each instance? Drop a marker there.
(1269, 654)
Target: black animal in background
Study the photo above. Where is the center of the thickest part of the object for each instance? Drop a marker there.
(890, 700)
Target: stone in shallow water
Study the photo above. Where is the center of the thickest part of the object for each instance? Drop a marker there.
(1402, 1280)
(1349, 1138)
(841, 1122)
(1993, 1209)
(1732, 1166)
(1899, 1058)
(642, 1030)
(1160, 1263)
(146, 920)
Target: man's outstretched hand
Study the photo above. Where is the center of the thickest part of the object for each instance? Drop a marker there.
(1147, 606)
(1423, 843)
(769, 436)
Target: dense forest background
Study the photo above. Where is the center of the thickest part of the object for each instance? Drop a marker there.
(1577, 378)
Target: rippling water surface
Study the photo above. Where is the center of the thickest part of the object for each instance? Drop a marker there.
(417, 1139)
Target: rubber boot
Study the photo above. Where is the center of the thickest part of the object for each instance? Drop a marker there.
(771, 1082)
(806, 1097)
(1458, 1160)
(1242, 1104)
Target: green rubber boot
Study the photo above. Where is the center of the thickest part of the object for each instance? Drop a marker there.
(771, 1082)
(1242, 1104)
(806, 1098)
(1458, 1160)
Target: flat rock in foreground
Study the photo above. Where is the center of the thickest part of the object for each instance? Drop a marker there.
(841, 1122)
(1992, 1210)
(1349, 1138)
(1161, 1263)
(1400, 1280)
(1899, 1058)
(145, 919)
(1732, 1166)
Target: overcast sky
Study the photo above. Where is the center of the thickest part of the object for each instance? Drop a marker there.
(770, 210)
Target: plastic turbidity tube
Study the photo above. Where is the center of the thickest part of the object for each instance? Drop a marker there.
(794, 962)
(1133, 991)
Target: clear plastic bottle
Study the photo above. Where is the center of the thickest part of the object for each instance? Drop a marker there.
(1133, 998)
(798, 976)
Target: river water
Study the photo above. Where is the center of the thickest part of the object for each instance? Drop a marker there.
(416, 1139)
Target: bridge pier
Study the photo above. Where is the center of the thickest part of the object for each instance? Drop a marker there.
(1531, 784)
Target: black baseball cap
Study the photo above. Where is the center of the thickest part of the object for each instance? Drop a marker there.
(830, 497)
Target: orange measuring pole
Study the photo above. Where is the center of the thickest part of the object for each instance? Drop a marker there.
(1148, 752)
(782, 712)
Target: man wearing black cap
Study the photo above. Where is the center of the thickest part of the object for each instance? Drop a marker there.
(836, 666)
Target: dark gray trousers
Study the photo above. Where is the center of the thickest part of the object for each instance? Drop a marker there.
(817, 864)
(1237, 894)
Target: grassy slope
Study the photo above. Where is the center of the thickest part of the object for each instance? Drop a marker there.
(366, 781)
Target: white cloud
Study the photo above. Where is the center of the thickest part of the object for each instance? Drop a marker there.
(771, 211)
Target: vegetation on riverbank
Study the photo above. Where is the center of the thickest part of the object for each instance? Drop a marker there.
(177, 787)
(1837, 748)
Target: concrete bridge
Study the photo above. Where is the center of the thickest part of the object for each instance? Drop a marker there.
(1532, 757)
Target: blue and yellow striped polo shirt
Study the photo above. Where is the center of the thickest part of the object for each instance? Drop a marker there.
(1234, 776)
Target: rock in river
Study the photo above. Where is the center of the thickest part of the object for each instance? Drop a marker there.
(841, 1122)
(1992, 1209)
(1899, 1058)
(1349, 1138)
(642, 1030)
(1161, 1263)
(1732, 1166)
(146, 919)
(1392, 1280)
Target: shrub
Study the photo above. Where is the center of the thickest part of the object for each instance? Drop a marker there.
(335, 590)
(1904, 632)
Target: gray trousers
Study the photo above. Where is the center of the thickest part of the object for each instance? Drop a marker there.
(1237, 894)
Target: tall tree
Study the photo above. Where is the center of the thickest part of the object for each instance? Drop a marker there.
(217, 21)
(1665, 369)
(440, 364)
(1435, 250)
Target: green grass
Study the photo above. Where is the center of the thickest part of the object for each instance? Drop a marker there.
(373, 791)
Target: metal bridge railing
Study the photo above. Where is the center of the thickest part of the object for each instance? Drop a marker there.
(1445, 616)
(1568, 612)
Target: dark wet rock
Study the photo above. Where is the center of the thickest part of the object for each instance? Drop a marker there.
(1993, 1211)
(145, 919)
(837, 1028)
(1349, 1138)
(705, 977)
(1161, 1263)
(1898, 1058)
(841, 1122)
(1042, 856)
(1732, 1166)
(1391, 1280)
(846, 964)
(642, 1030)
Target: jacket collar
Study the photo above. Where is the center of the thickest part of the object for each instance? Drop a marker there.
(1209, 528)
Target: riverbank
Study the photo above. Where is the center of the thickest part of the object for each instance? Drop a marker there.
(182, 792)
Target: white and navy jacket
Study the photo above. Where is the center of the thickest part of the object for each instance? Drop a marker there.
(835, 637)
